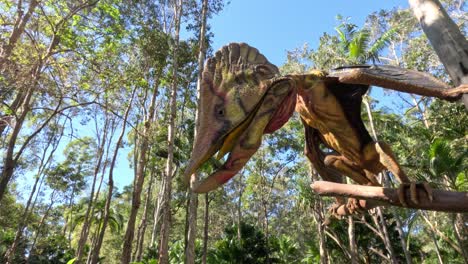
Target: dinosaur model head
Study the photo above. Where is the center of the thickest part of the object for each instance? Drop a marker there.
(242, 97)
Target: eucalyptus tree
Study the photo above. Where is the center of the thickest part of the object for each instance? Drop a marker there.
(40, 78)
(166, 206)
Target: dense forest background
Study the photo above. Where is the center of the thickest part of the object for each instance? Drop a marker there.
(87, 83)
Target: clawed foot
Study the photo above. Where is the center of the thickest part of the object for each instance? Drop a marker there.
(413, 192)
(333, 210)
(353, 206)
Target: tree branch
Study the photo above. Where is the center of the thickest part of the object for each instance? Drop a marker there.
(446, 201)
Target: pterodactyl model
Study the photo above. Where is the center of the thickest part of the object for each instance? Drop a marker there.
(243, 97)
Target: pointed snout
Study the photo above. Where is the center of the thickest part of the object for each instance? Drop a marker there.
(204, 148)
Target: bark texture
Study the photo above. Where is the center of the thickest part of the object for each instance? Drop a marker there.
(166, 201)
(193, 197)
(446, 39)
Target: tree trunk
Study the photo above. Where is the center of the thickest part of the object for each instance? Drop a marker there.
(444, 237)
(318, 206)
(18, 30)
(382, 225)
(339, 243)
(319, 217)
(157, 211)
(193, 197)
(239, 208)
(379, 210)
(139, 178)
(86, 223)
(399, 227)
(352, 241)
(70, 207)
(110, 185)
(9, 163)
(434, 239)
(446, 39)
(144, 219)
(30, 204)
(460, 235)
(166, 201)
(266, 229)
(41, 223)
(206, 220)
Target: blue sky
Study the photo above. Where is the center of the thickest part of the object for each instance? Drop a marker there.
(275, 26)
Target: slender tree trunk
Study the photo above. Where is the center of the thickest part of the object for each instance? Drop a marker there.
(193, 197)
(266, 229)
(444, 237)
(420, 110)
(9, 160)
(384, 230)
(404, 246)
(339, 243)
(319, 217)
(352, 241)
(94, 238)
(206, 221)
(157, 212)
(166, 202)
(139, 179)
(434, 239)
(382, 221)
(70, 207)
(446, 39)
(110, 186)
(41, 224)
(30, 204)
(460, 234)
(318, 208)
(239, 208)
(86, 223)
(144, 220)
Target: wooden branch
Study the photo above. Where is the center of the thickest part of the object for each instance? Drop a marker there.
(371, 197)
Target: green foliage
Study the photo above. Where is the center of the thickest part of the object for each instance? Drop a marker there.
(70, 174)
(444, 163)
(355, 45)
(251, 248)
(54, 249)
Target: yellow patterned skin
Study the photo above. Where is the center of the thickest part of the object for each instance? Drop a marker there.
(356, 155)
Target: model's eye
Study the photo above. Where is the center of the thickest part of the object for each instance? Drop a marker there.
(220, 111)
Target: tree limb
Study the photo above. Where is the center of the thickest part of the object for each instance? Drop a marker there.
(446, 201)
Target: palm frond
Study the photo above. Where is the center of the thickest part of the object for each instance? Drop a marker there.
(358, 46)
(344, 43)
(382, 42)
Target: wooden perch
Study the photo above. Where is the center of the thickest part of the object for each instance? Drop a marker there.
(373, 196)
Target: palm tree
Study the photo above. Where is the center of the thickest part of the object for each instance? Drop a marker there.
(355, 44)
(444, 163)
